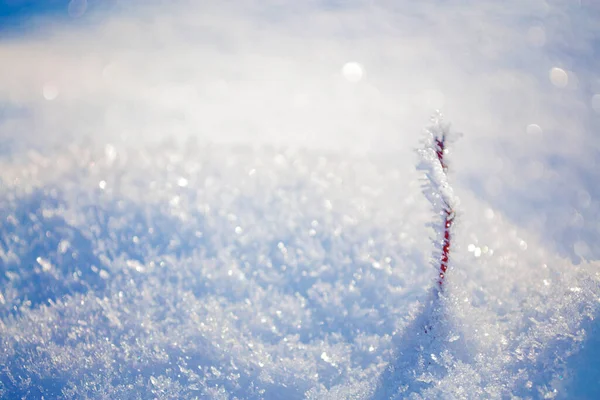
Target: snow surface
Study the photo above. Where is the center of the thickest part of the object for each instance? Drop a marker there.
(196, 201)
(233, 272)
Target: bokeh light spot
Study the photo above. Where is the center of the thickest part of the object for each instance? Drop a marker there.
(559, 77)
(534, 130)
(352, 71)
(182, 182)
(50, 91)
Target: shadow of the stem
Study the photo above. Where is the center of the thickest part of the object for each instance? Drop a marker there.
(422, 352)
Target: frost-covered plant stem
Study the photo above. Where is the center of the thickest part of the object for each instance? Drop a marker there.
(448, 218)
(438, 191)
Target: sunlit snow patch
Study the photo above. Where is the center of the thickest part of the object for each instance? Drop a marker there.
(222, 272)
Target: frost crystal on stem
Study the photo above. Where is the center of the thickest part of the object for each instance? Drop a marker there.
(438, 191)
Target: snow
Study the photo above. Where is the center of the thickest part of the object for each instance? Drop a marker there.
(202, 200)
(299, 280)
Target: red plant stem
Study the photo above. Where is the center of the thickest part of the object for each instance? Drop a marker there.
(440, 147)
(449, 215)
(449, 219)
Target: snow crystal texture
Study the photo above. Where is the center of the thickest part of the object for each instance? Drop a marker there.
(224, 272)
